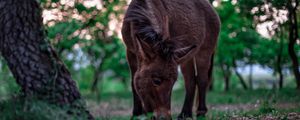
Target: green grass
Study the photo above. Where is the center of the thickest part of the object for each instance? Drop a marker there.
(116, 104)
(278, 104)
(219, 97)
(33, 109)
(242, 97)
(240, 103)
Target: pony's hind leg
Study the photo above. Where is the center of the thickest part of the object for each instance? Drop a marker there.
(137, 105)
(203, 80)
(188, 72)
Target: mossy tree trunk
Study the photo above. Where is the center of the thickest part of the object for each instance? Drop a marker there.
(32, 61)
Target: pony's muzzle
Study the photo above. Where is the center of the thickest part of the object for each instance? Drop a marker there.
(162, 114)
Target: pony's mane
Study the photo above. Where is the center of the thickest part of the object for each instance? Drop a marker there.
(147, 20)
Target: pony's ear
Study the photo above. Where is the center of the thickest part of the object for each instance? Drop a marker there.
(144, 49)
(182, 54)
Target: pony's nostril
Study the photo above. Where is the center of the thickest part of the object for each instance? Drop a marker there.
(162, 114)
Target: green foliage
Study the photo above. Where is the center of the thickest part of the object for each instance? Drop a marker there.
(266, 107)
(240, 42)
(54, 1)
(238, 37)
(85, 43)
(61, 34)
(80, 7)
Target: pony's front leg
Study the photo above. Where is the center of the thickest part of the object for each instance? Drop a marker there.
(188, 72)
(203, 79)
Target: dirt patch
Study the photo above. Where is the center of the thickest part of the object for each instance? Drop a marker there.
(110, 109)
(289, 116)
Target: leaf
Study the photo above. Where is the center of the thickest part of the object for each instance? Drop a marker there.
(54, 1)
(80, 7)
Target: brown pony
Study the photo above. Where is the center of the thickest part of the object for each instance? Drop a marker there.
(161, 35)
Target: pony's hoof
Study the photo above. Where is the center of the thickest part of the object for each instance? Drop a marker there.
(201, 113)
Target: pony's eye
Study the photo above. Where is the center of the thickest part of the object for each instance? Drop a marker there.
(157, 82)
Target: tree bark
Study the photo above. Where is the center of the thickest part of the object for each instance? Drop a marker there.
(278, 62)
(97, 69)
(293, 36)
(96, 79)
(226, 73)
(251, 76)
(239, 75)
(32, 61)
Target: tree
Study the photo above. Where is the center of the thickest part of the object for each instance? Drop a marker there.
(236, 42)
(269, 11)
(32, 61)
(292, 6)
(93, 35)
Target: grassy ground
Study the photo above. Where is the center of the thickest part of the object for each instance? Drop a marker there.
(17, 108)
(235, 104)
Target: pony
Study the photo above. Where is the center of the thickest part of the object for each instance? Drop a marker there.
(160, 36)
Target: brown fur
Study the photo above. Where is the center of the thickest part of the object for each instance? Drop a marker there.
(160, 35)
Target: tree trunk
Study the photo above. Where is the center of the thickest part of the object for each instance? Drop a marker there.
(239, 75)
(226, 73)
(293, 35)
(32, 61)
(95, 90)
(278, 62)
(98, 68)
(95, 79)
(251, 76)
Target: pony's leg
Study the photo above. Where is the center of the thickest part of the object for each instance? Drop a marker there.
(137, 105)
(188, 72)
(203, 79)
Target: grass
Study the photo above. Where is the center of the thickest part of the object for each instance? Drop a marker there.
(234, 104)
(33, 109)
